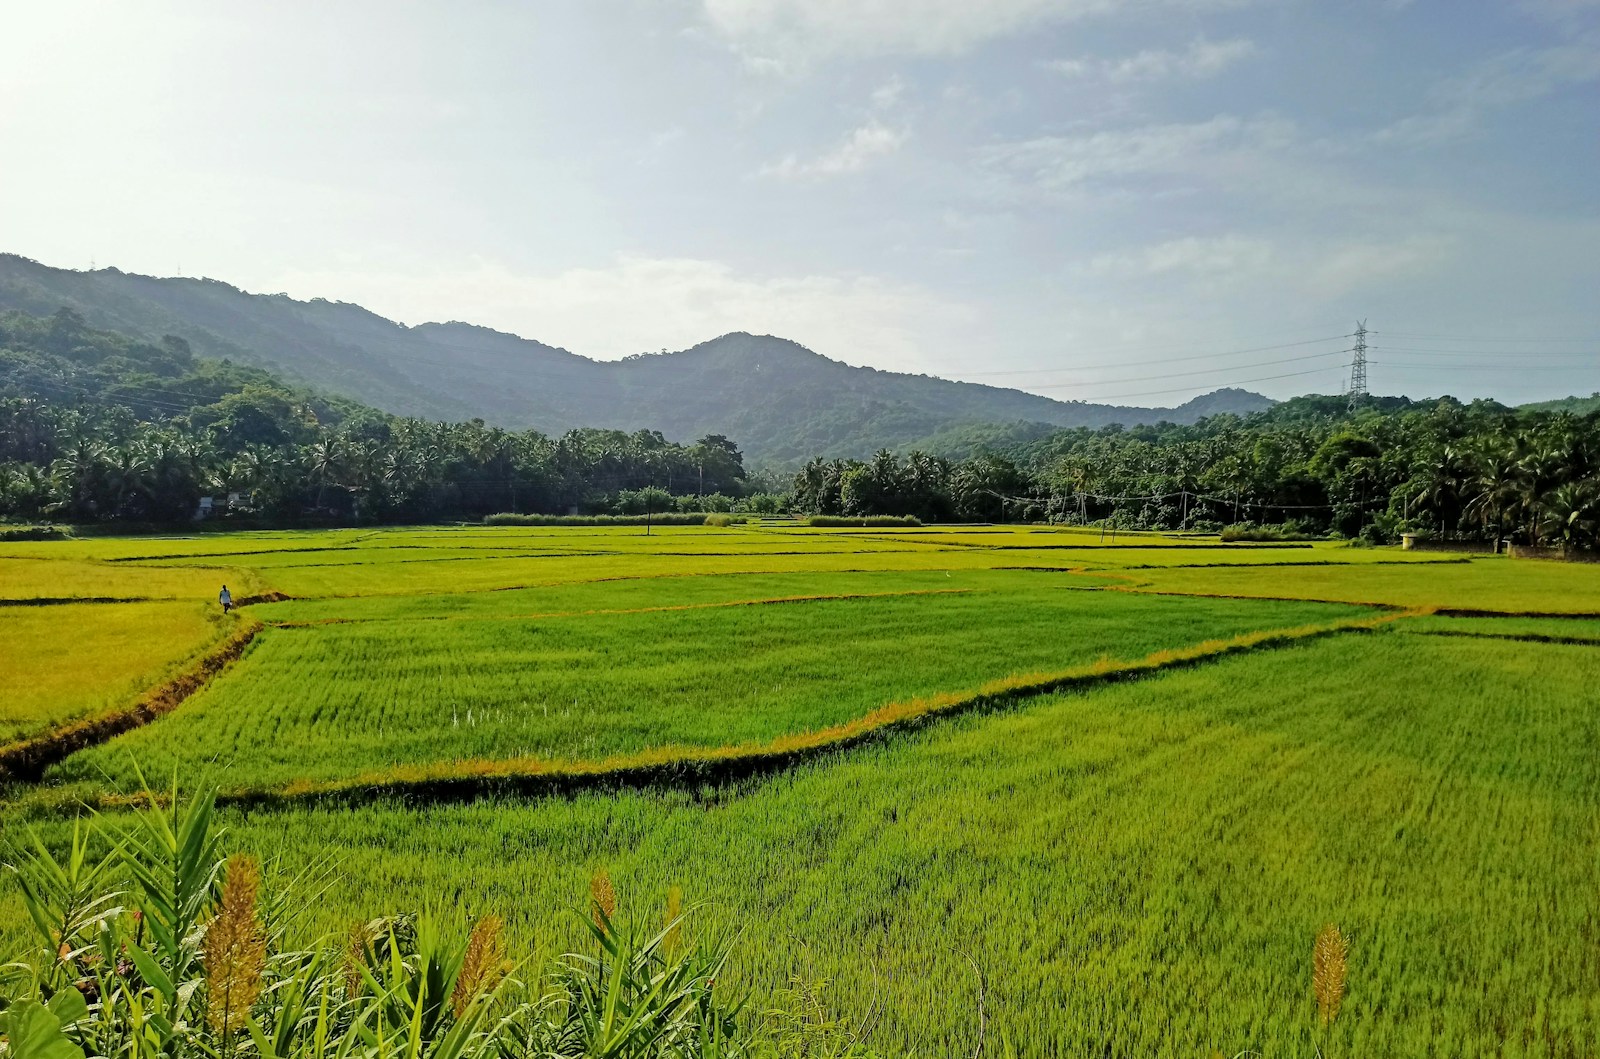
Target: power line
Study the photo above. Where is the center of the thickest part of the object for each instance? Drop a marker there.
(1186, 374)
(1234, 382)
(1475, 367)
(1490, 352)
(1161, 360)
(1478, 338)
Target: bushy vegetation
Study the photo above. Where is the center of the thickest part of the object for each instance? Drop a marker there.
(864, 522)
(1248, 532)
(32, 533)
(98, 427)
(1311, 464)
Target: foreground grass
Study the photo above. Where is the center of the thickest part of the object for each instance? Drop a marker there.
(1137, 871)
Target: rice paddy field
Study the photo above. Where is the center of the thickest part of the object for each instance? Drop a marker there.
(1081, 795)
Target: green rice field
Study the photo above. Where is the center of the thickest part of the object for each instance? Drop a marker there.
(1082, 796)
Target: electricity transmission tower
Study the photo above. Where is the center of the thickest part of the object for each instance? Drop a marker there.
(1358, 366)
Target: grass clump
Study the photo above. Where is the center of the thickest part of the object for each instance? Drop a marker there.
(867, 521)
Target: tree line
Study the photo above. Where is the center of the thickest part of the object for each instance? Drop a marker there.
(96, 426)
(1311, 466)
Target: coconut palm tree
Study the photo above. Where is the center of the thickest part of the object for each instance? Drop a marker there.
(1570, 513)
(326, 459)
(1498, 480)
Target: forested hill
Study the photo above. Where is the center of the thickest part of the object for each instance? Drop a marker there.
(781, 401)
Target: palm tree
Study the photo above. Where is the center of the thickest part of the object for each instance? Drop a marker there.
(1569, 514)
(79, 473)
(126, 474)
(1542, 466)
(1498, 478)
(326, 459)
(1437, 486)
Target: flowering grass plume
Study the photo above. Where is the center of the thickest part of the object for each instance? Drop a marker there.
(603, 897)
(1328, 970)
(481, 965)
(235, 949)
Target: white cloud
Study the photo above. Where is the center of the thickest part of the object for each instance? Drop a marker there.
(800, 31)
(1505, 81)
(1336, 270)
(638, 304)
(1309, 269)
(867, 143)
(1525, 74)
(1230, 254)
(888, 94)
(1056, 163)
(1202, 58)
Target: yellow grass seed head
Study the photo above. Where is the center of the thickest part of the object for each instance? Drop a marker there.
(481, 966)
(604, 897)
(1328, 970)
(235, 949)
(356, 943)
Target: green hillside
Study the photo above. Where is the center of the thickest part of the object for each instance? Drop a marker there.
(783, 402)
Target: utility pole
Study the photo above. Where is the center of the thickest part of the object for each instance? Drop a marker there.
(1358, 366)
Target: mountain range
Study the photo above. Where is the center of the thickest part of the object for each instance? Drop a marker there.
(780, 401)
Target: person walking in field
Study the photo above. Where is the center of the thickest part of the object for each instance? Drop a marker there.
(226, 599)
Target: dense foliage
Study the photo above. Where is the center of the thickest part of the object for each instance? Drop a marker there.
(100, 427)
(1310, 465)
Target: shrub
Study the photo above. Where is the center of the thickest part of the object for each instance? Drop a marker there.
(33, 533)
(710, 503)
(1248, 531)
(721, 520)
(865, 521)
(761, 504)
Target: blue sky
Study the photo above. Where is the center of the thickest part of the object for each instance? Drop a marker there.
(1088, 198)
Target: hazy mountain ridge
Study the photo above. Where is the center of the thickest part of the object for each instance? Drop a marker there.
(781, 401)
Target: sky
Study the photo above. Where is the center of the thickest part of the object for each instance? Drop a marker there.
(1109, 200)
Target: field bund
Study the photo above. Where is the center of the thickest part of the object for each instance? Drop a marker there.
(1127, 783)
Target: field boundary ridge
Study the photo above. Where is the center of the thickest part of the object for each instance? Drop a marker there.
(26, 759)
(1516, 637)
